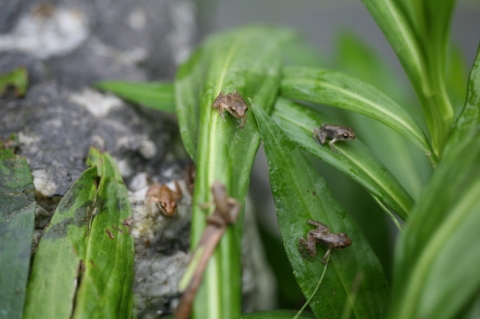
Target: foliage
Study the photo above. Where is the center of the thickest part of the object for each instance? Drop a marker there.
(436, 253)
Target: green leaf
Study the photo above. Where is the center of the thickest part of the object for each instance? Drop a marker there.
(301, 194)
(339, 90)
(188, 83)
(106, 288)
(84, 264)
(18, 78)
(56, 266)
(418, 33)
(353, 158)
(355, 57)
(225, 152)
(469, 118)
(155, 95)
(17, 214)
(277, 314)
(440, 248)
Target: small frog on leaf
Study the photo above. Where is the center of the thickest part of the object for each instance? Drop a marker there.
(323, 236)
(234, 104)
(334, 132)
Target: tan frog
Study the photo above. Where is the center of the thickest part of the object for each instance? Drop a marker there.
(164, 198)
(333, 132)
(323, 236)
(234, 104)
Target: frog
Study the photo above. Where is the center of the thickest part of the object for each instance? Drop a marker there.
(323, 236)
(333, 132)
(234, 104)
(226, 208)
(164, 198)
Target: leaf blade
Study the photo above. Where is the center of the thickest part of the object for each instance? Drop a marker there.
(156, 95)
(17, 214)
(339, 90)
(354, 159)
(300, 194)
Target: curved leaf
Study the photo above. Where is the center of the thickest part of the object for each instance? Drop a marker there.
(440, 248)
(418, 33)
(353, 159)
(340, 90)
(17, 218)
(247, 60)
(155, 95)
(301, 194)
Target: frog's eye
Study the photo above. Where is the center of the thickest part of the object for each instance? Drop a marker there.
(345, 135)
(343, 246)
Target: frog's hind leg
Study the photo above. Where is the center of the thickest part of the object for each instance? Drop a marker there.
(318, 136)
(324, 228)
(307, 245)
(324, 258)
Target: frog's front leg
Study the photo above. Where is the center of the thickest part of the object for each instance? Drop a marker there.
(319, 136)
(333, 148)
(308, 245)
(324, 258)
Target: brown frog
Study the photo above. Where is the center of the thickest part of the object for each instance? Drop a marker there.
(164, 198)
(323, 236)
(333, 132)
(234, 104)
(226, 208)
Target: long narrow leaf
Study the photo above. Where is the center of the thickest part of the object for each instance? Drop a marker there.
(17, 214)
(155, 95)
(354, 159)
(225, 151)
(419, 40)
(301, 194)
(339, 90)
(440, 249)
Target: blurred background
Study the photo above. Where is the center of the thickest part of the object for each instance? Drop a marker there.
(342, 35)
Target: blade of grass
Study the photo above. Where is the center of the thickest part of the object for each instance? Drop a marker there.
(226, 152)
(340, 90)
(429, 264)
(353, 158)
(17, 214)
(301, 194)
(155, 95)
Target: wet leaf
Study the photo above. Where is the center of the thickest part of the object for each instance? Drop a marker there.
(17, 214)
(340, 90)
(353, 158)
(301, 194)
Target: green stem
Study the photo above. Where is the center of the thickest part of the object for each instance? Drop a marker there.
(315, 291)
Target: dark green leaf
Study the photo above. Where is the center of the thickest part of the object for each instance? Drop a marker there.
(17, 214)
(57, 262)
(353, 159)
(301, 194)
(247, 60)
(440, 248)
(155, 95)
(340, 90)
(18, 78)
(84, 264)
